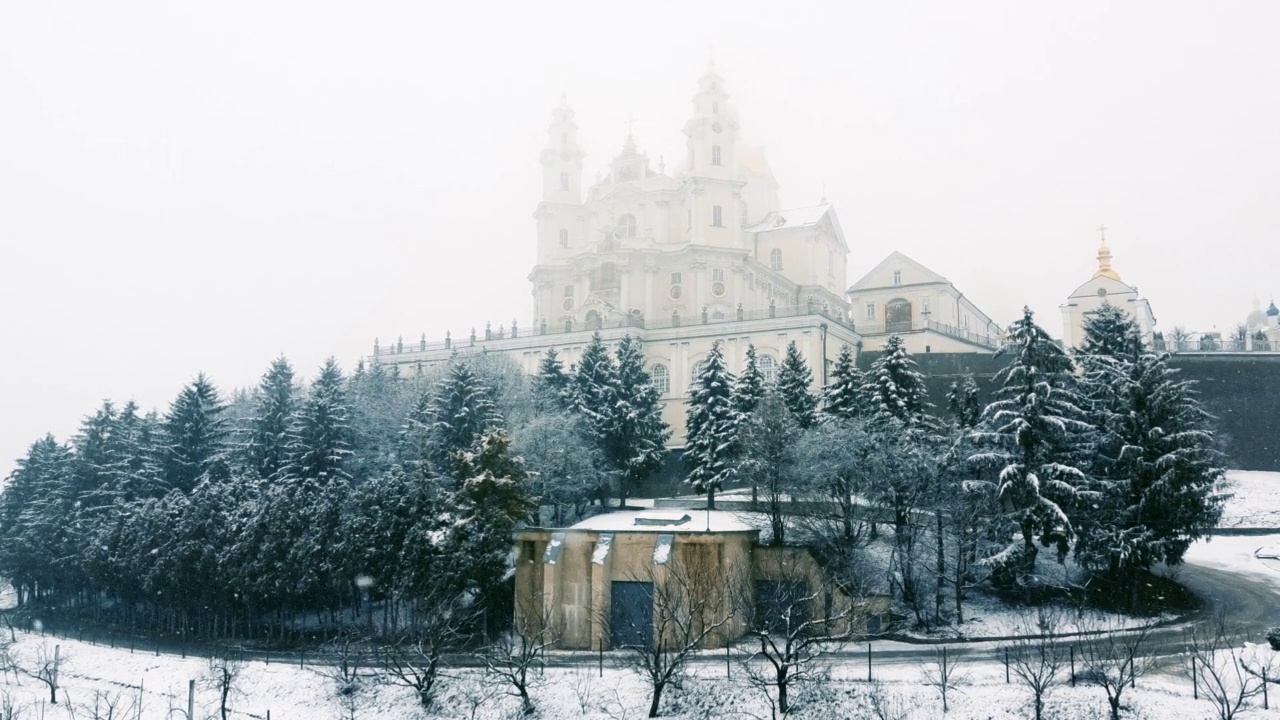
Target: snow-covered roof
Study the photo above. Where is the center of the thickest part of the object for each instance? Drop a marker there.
(794, 218)
(666, 521)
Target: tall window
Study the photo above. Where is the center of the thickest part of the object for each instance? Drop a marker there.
(717, 274)
(627, 226)
(564, 181)
(897, 277)
(775, 259)
(715, 108)
(717, 216)
(568, 291)
(564, 238)
(870, 311)
(742, 213)
(690, 220)
(715, 154)
(675, 278)
(661, 379)
(765, 365)
(924, 306)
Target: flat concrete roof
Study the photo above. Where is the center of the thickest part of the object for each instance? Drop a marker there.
(667, 521)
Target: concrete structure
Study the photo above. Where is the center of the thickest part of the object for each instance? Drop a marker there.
(679, 260)
(1105, 287)
(628, 578)
(900, 296)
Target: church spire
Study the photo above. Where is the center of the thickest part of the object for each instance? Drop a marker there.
(712, 132)
(562, 157)
(1104, 257)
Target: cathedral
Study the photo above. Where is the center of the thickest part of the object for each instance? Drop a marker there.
(700, 254)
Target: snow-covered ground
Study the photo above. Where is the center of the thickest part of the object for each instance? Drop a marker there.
(291, 693)
(1255, 501)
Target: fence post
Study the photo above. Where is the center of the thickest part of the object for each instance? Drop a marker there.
(1006, 666)
(727, 672)
(191, 699)
(868, 661)
(1195, 683)
(1073, 666)
(602, 657)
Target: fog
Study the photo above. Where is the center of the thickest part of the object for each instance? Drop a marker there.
(204, 187)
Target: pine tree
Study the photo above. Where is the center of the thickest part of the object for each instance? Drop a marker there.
(551, 390)
(194, 436)
(492, 501)
(711, 427)
(139, 472)
(1036, 440)
(636, 433)
(266, 447)
(768, 438)
(750, 388)
(1153, 482)
(842, 397)
(894, 388)
(35, 511)
(794, 379)
(595, 384)
(963, 403)
(319, 432)
(1112, 332)
(462, 410)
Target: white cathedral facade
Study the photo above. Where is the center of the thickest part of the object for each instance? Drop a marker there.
(705, 253)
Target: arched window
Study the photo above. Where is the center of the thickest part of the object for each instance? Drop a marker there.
(564, 238)
(661, 379)
(764, 363)
(715, 154)
(564, 181)
(627, 226)
(775, 259)
(593, 320)
(697, 370)
(717, 216)
(608, 277)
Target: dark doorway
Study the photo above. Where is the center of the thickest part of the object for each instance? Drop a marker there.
(782, 606)
(631, 614)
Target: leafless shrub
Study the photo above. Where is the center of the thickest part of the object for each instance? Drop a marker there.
(1114, 657)
(516, 661)
(222, 676)
(791, 637)
(108, 706)
(887, 704)
(692, 602)
(44, 667)
(945, 674)
(415, 658)
(583, 679)
(1036, 658)
(1217, 661)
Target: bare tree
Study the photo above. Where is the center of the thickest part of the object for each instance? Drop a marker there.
(692, 603)
(107, 706)
(792, 634)
(944, 672)
(1036, 658)
(345, 671)
(44, 667)
(1114, 657)
(517, 659)
(887, 704)
(1262, 662)
(1215, 660)
(9, 709)
(415, 658)
(221, 677)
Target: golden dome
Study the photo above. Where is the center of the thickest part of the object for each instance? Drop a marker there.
(1104, 263)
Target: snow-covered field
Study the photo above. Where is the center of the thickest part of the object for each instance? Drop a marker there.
(291, 693)
(1255, 501)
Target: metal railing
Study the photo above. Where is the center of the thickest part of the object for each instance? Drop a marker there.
(921, 324)
(611, 322)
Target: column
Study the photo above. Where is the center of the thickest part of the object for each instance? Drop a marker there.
(624, 287)
(699, 299)
(650, 272)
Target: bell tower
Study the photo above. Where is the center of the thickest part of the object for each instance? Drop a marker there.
(560, 216)
(713, 198)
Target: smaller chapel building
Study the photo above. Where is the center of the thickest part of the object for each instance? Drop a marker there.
(1105, 287)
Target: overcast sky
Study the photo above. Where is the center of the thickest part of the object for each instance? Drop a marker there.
(189, 187)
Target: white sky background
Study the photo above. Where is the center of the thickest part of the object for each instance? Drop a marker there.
(205, 186)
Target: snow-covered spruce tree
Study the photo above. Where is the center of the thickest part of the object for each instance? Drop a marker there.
(319, 441)
(462, 410)
(268, 432)
(566, 467)
(750, 388)
(894, 387)
(1155, 476)
(194, 436)
(1111, 332)
(139, 475)
(34, 506)
(794, 379)
(551, 384)
(711, 427)
(379, 402)
(963, 404)
(842, 397)
(594, 383)
(637, 435)
(1033, 438)
(492, 501)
